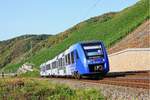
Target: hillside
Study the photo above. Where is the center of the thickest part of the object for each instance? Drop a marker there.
(20, 48)
(110, 28)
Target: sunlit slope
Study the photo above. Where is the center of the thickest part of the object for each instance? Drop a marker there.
(110, 30)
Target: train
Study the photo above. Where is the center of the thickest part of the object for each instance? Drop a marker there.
(83, 59)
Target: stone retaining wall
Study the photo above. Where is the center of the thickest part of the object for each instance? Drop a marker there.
(134, 59)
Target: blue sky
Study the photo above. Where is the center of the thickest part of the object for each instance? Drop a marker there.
(19, 17)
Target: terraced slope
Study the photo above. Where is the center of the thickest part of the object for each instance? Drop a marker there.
(109, 29)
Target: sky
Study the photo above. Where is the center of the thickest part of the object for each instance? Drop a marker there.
(20, 17)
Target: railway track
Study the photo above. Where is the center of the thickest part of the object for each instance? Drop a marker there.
(133, 79)
(134, 83)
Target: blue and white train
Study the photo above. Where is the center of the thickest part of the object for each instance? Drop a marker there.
(81, 59)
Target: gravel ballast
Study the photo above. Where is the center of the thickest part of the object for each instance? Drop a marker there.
(111, 92)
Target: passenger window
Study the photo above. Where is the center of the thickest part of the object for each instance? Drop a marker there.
(72, 57)
(48, 66)
(63, 62)
(52, 65)
(60, 62)
(69, 59)
(66, 62)
(55, 65)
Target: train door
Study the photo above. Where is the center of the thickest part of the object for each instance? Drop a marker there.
(77, 62)
(80, 62)
(72, 67)
(78, 66)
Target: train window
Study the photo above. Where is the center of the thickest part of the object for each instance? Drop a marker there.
(63, 61)
(43, 68)
(58, 62)
(72, 57)
(55, 65)
(93, 50)
(66, 60)
(52, 65)
(47, 67)
(69, 60)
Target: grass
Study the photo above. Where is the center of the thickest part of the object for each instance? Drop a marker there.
(33, 89)
(11, 68)
(34, 73)
(109, 30)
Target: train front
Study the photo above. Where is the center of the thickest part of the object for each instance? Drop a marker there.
(96, 58)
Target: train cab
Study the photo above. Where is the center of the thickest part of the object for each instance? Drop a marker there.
(96, 58)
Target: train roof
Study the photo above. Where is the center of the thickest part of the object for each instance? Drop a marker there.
(60, 55)
(92, 41)
(54, 59)
(79, 43)
(71, 48)
(42, 65)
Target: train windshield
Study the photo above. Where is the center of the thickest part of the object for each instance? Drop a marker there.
(93, 50)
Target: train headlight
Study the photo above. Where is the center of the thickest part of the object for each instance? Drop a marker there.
(100, 67)
(103, 59)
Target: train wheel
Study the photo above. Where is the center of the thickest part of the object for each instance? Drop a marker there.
(78, 76)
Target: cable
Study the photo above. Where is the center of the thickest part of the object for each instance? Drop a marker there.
(90, 9)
